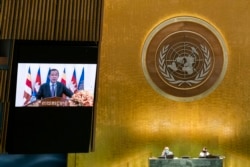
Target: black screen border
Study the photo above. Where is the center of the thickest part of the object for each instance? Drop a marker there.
(50, 129)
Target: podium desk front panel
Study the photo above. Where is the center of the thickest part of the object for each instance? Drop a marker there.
(192, 162)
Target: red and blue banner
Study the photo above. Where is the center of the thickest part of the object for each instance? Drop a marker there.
(28, 88)
(73, 85)
(81, 81)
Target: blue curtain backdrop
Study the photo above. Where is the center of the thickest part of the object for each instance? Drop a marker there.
(33, 160)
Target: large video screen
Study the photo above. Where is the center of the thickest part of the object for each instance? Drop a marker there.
(74, 84)
(52, 97)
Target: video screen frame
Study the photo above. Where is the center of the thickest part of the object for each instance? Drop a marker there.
(62, 129)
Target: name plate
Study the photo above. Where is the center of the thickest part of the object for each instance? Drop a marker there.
(51, 102)
(54, 103)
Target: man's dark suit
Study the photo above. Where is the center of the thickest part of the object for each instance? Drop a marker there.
(61, 89)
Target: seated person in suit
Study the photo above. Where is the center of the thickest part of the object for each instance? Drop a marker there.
(167, 153)
(204, 153)
(53, 88)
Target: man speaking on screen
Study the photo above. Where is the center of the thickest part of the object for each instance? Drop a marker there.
(53, 88)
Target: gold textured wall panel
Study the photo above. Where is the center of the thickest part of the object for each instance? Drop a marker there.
(134, 122)
(77, 20)
(3, 84)
(3, 96)
(3, 132)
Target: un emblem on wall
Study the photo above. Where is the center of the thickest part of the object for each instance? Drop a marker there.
(184, 58)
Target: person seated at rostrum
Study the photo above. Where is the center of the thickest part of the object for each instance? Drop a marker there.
(167, 153)
(204, 153)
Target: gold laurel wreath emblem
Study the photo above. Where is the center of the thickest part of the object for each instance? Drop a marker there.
(199, 77)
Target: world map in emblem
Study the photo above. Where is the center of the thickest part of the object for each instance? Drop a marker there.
(184, 58)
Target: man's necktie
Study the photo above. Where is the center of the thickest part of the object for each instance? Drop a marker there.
(53, 90)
